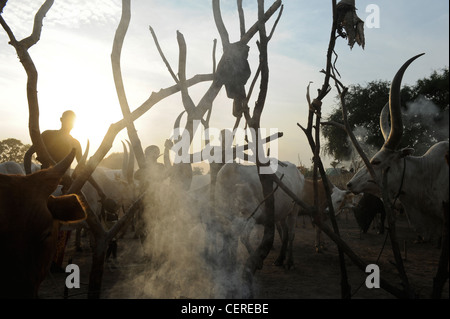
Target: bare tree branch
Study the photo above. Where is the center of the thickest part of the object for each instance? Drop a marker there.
(254, 28)
(21, 48)
(337, 239)
(115, 128)
(187, 101)
(37, 27)
(276, 23)
(241, 17)
(118, 81)
(155, 39)
(214, 55)
(350, 132)
(393, 236)
(2, 5)
(219, 23)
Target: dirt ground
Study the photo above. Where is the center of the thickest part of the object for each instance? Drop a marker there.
(315, 275)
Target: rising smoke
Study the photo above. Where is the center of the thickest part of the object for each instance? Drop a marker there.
(431, 120)
(181, 253)
(424, 125)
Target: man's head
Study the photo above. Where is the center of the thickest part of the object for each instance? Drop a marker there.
(152, 153)
(68, 120)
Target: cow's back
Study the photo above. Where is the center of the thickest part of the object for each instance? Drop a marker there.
(239, 190)
(11, 168)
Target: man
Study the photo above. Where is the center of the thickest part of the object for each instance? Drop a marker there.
(59, 143)
(180, 174)
(149, 179)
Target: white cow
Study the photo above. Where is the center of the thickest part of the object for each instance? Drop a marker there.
(421, 183)
(238, 193)
(16, 168)
(11, 168)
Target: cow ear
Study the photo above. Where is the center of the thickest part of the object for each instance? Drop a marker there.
(67, 208)
(406, 152)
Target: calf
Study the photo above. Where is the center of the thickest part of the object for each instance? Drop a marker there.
(337, 197)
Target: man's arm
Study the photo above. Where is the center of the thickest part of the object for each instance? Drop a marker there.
(167, 146)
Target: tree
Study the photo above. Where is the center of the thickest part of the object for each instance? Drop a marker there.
(12, 149)
(425, 112)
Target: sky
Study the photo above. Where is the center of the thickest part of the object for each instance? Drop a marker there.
(74, 65)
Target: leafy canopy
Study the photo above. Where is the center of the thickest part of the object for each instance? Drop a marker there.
(425, 108)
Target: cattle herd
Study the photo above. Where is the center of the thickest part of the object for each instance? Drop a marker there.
(33, 208)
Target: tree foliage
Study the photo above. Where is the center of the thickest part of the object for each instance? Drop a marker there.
(13, 150)
(425, 116)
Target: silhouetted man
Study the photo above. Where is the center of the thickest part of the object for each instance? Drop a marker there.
(59, 143)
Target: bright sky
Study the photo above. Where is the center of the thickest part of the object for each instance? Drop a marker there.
(74, 66)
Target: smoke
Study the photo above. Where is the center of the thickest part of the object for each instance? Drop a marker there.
(355, 162)
(432, 120)
(180, 255)
(424, 125)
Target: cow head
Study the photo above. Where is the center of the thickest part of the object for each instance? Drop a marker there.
(389, 156)
(341, 199)
(29, 218)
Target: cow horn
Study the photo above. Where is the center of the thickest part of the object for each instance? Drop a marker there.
(61, 167)
(176, 124)
(396, 131)
(85, 155)
(384, 121)
(130, 167)
(124, 160)
(82, 163)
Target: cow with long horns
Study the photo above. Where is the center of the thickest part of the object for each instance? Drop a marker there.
(421, 183)
(29, 220)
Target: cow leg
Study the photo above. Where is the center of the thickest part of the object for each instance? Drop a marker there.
(284, 242)
(317, 243)
(78, 239)
(442, 272)
(382, 218)
(279, 230)
(245, 238)
(291, 235)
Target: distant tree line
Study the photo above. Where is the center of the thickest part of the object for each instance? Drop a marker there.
(13, 150)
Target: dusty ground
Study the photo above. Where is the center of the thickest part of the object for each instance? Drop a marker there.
(315, 276)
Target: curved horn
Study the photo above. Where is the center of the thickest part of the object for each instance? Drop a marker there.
(396, 131)
(82, 163)
(130, 167)
(27, 160)
(176, 124)
(178, 120)
(85, 155)
(384, 121)
(124, 160)
(60, 168)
